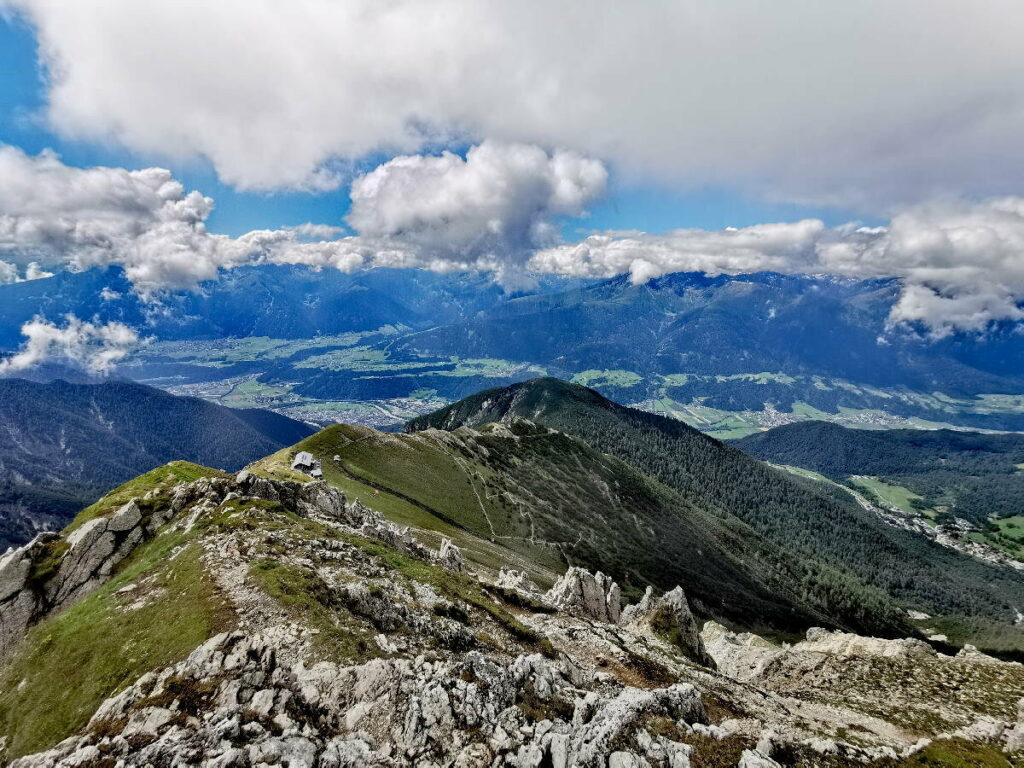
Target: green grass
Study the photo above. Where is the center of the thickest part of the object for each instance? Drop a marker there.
(310, 601)
(252, 393)
(607, 378)
(1012, 527)
(1008, 536)
(489, 367)
(955, 753)
(250, 348)
(987, 635)
(428, 527)
(166, 477)
(765, 377)
(70, 662)
(896, 495)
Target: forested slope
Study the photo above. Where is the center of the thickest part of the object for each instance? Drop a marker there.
(816, 526)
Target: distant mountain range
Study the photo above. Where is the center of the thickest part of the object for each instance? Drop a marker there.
(277, 301)
(64, 445)
(729, 354)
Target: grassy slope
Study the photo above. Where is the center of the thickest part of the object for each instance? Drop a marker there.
(428, 527)
(72, 660)
(554, 500)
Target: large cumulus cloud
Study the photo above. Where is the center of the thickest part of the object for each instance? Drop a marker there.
(144, 220)
(489, 211)
(867, 103)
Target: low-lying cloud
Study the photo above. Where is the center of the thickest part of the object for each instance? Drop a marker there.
(497, 210)
(961, 264)
(94, 347)
(488, 211)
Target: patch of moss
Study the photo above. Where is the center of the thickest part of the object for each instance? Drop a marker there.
(71, 661)
(517, 599)
(954, 753)
(312, 602)
(46, 562)
(192, 696)
(651, 673)
(664, 625)
(537, 708)
(709, 752)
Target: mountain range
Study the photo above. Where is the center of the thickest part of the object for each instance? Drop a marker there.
(729, 354)
(814, 525)
(66, 444)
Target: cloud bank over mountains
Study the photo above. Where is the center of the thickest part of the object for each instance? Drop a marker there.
(962, 264)
(497, 210)
(489, 211)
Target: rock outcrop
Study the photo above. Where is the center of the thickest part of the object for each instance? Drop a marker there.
(669, 617)
(1015, 736)
(450, 556)
(740, 655)
(233, 702)
(515, 581)
(820, 640)
(339, 652)
(51, 573)
(588, 595)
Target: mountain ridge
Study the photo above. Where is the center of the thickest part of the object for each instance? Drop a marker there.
(66, 444)
(811, 521)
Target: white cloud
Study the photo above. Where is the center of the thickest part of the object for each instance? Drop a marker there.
(780, 247)
(144, 220)
(9, 272)
(96, 348)
(961, 264)
(865, 103)
(490, 210)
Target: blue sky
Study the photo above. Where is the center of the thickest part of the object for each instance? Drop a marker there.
(625, 206)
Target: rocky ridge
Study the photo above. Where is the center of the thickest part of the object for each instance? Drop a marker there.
(352, 644)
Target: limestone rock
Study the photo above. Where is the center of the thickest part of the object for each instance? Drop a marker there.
(669, 617)
(1015, 736)
(516, 581)
(971, 653)
(582, 593)
(753, 759)
(450, 556)
(844, 644)
(741, 655)
(19, 603)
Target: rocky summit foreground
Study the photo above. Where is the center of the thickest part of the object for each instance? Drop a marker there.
(196, 618)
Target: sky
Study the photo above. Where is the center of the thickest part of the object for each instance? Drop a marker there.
(178, 140)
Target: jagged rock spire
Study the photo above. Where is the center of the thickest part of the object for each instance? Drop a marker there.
(589, 595)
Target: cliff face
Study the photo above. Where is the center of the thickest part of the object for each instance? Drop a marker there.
(244, 621)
